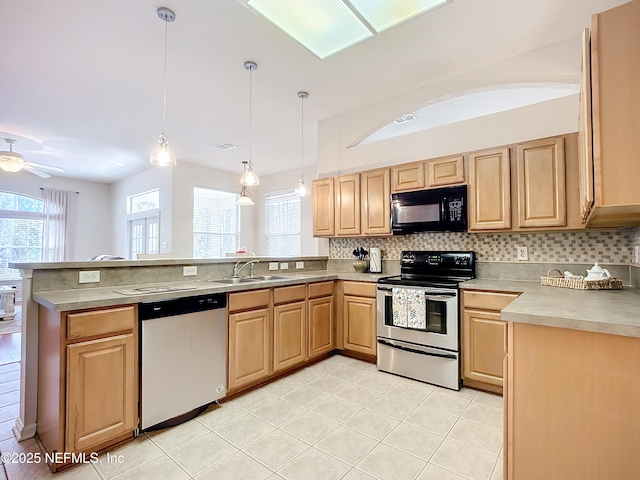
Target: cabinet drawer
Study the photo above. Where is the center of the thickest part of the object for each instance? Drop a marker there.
(360, 289)
(487, 300)
(288, 294)
(320, 289)
(248, 300)
(100, 322)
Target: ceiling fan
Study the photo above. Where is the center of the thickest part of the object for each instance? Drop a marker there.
(14, 162)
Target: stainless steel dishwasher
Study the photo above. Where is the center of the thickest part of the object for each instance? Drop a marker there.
(183, 358)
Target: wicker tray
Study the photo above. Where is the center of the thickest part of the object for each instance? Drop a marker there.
(555, 278)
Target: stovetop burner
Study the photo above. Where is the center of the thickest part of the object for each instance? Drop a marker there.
(433, 269)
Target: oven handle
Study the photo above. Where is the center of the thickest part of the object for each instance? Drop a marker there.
(413, 350)
(439, 297)
(386, 289)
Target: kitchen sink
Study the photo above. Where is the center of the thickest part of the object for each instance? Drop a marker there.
(235, 280)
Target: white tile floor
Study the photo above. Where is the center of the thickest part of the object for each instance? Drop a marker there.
(338, 419)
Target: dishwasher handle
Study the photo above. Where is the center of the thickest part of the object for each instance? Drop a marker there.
(181, 306)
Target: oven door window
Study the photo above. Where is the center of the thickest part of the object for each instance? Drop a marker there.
(432, 319)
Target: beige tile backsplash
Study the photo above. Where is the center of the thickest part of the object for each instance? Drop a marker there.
(605, 246)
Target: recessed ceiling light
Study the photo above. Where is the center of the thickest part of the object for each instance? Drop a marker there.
(325, 27)
(405, 118)
(224, 146)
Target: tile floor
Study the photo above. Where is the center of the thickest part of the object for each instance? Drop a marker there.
(338, 419)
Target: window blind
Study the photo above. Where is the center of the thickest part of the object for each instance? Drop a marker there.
(216, 222)
(282, 222)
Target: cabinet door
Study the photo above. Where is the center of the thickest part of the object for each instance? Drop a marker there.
(376, 202)
(347, 189)
(490, 190)
(101, 391)
(409, 176)
(542, 191)
(323, 208)
(290, 334)
(585, 132)
(249, 347)
(485, 344)
(445, 171)
(359, 317)
(321, 321)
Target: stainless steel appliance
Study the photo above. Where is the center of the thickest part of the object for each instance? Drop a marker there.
(418, 322)
(183, 358)
(437, 209)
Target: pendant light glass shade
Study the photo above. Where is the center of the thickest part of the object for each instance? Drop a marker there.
(11, 161)
(249, 177)
(302, 190)
(162, 154)
(245, 198)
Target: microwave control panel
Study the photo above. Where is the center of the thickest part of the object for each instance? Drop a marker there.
(456, 210)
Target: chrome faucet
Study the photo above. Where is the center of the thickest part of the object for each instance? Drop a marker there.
(251, 264)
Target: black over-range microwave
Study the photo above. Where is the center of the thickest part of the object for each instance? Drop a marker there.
(435, 210)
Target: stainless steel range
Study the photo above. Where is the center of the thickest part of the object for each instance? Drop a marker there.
(418, 322)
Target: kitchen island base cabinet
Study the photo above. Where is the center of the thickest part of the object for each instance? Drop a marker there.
(573, 405)
(87, 379)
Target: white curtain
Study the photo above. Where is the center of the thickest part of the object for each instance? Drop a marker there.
(59, 225)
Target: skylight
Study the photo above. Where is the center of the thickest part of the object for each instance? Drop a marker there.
(325, 27)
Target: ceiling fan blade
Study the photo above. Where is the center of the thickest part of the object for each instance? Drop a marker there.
(37, 172)
(45, 167)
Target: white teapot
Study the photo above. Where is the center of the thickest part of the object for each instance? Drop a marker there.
(597, 273)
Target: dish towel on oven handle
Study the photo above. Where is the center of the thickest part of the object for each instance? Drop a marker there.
(409, 308)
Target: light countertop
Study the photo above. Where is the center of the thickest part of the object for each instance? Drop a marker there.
(76, 299)
(615, 312)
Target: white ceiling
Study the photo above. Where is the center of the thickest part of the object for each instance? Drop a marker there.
(81, 81)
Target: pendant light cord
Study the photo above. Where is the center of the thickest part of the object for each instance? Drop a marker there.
(164, 95)
(302, 137)
(250, 114)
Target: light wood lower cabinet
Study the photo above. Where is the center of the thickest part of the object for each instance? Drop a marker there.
(484, 338)
(358, 317)
(101, 391)
(289, 335)
(249, 346)
(321, 326)
(87, 379)
(572, 405)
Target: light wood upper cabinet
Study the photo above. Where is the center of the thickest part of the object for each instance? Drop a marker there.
(289, 335)
(540, 170)
(323, 208)
(615, 70)
(585, 132)
(249, 346)
(406, 177)
(347, 202)
(445, 171)
(101, 391)
(489, 194)
(376, 202)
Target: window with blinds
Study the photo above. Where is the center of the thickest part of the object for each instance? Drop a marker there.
(216, 222)
(282, 222)
(21, 224)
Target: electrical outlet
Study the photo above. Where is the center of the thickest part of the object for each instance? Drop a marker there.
(523, 254)
(92, 276)
(284, 266)
(273, 265)
(299, 264)
(189, 271)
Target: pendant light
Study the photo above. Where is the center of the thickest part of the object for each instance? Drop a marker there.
(245, 196)
(249, 177)
(162, 154)
(302, 190)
